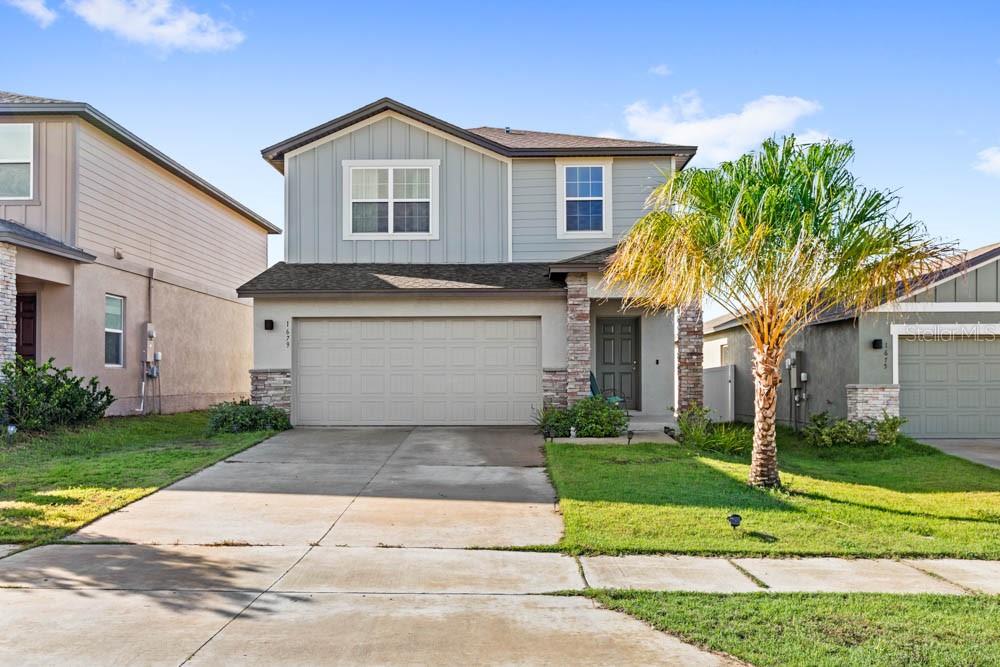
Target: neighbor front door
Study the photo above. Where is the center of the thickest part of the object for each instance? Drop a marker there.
(26, 325)
(618, 359)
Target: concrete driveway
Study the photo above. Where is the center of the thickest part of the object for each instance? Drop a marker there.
(278, 556)
(985, 451)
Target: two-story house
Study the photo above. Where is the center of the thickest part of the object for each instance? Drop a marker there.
(440, 275)
(119, 262)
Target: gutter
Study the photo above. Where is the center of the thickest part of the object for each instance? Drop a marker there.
(471, 291)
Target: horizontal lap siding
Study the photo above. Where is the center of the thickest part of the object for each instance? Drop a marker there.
(127, 202)
(472, 200)
(535, 206)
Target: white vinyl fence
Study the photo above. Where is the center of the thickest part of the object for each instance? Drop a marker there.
(719, 393)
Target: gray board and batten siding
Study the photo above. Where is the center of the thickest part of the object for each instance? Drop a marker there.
(473, 196)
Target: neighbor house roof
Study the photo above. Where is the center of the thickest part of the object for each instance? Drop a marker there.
(17, 104)
(17, 234)
(950, 268)
(517, 143)
(325, 279)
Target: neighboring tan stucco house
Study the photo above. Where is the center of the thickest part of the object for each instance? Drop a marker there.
(931, 356)
(440, 275)
(102, 235)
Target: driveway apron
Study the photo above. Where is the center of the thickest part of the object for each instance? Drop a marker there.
(280, 555)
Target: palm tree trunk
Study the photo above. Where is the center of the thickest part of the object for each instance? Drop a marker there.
(766, 378)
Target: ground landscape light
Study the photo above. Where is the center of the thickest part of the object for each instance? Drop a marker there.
(735, 520)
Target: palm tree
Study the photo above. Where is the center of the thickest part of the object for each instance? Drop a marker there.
(778, 238)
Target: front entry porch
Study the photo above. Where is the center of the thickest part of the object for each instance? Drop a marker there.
(653, 360)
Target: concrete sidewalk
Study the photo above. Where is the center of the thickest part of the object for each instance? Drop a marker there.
(810, 575)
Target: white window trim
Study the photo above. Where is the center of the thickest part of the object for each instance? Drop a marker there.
(976, 329)
(561, 232)
(31, 165)
(120, 332)
(347, 166)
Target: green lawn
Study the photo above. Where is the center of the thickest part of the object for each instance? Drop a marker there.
(52, 485)
(906, 500)
(818, 630)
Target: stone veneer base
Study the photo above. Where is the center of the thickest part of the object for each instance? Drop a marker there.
(872, 401)
(271, 386)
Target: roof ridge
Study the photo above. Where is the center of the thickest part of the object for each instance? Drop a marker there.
(514, 130)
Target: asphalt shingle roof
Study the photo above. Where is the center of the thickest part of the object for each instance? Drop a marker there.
(284, 278)
(17, 98)
(19, 235)
(533, 139)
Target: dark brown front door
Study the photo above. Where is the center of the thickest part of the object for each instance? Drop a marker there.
(618, 359)
(26, 325)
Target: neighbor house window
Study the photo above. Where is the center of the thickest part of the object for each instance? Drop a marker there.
(114, 328)
(390, 199)
(584, 199)
(16, 160)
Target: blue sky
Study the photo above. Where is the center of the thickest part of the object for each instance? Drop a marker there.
(915, 86)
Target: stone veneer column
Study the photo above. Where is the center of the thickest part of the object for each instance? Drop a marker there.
(872, 401)
(690, 355)
(577, 338)
(8, 302)
(271, 386)
(553, 388)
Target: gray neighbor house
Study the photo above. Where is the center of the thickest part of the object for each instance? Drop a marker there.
(931, 356)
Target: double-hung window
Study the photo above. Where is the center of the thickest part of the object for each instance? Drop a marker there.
(17, 153)
(390, 199)
(114, 330)
(584, 199)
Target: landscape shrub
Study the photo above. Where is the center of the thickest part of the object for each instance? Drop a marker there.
(554, 422)
(824, 431)
(241, 416)
(696, 429)
(41, 397)
(597, 417)
(593, 417)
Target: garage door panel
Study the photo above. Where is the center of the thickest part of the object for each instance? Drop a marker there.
(935, 372)
(968, 372)
(992, 398)
(950, 387)
(417, 371)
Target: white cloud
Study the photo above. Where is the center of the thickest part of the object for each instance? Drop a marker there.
(660, 70)
(989, 161)
(36, 9)
(160, 23)
(610, 134)
(812, 137)
(722, 137)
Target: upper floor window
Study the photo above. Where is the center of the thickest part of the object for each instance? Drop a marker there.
(16, 158)
(584, 199)
(390, 199)
(114, 330)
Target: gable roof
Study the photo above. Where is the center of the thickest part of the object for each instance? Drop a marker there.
(519, 143)
(18, 104)
(950, 268)
(386, 279)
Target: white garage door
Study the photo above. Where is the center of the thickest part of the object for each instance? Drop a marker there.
(950, 388)
(416, 371)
